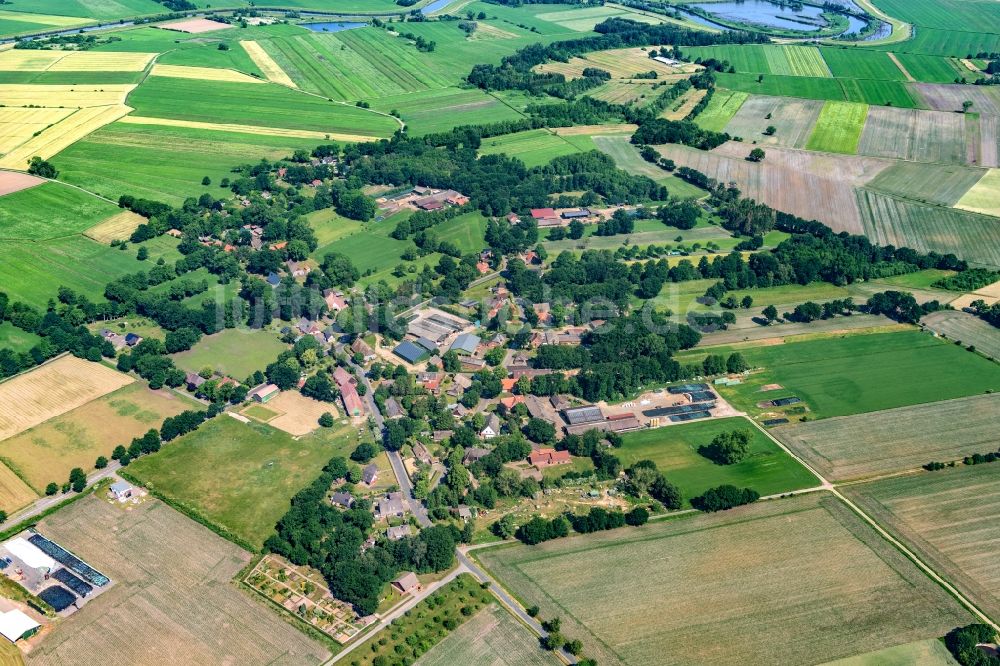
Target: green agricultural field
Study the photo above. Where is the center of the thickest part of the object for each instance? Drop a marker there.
(627, 157)
(237, 353)
(854, 63)
(957, 43)
(50, 210)
(932, 69)
(955, 15)
(20, 23)
(674, 448)
(886, 93)
(890, 220)
(13, 338)
(941, 184)
(165, 163)
(91, 9)
(253, 104)
(918, 280)
(33, 271)
(440, 110)
(239, 476)
(664, 593)
(492, 637)
(854, 374)
(768, 59)
(720, 110)
(950, 519)
(810, 87)
(373, 251)
(930, 652)
(896, 440)
(791, 294)
(533, 147)
(838, 128)
(70, 78)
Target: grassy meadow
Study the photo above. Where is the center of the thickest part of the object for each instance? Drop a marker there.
(674, 448)
(50, 210)
(237, 353)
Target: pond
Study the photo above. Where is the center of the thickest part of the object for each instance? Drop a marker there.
(761, 12)
(333, 26)
(435, 6)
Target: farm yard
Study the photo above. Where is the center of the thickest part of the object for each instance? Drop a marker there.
(878, 443)
(238, 476)
(966, 329)
(949, 518)
(173, 600)
(678, 585)
(494, 638)
(47, 452)
(674, 448)
(53, 389)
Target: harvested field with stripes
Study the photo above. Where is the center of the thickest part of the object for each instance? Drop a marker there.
(492, 638)
(65, 96)
(792, 119)
(116, 227)
(623, 91)
(951, 518)
(941, 184)
(911, 134)
(272, 71)
(839, 128)
(984, 196)
(170, 570)
(620, 63)
(685, 105)
(62, 134)
(53, 389)
(31, 60)
(965, 328)
(14, 492)
(944, 97)
(865, 445)
(890, 220)
(202, 73)
(678, 585)
(811, 185)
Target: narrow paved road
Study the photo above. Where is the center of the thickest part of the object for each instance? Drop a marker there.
(44, 503)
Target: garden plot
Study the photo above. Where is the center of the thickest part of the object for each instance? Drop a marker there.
(202, 73)
(778, 580)
(63, 134)
(895, 440)
(951, 518)
(793, 120)
(53, 389)
(811, 185)
(172, 575)
(911, 134)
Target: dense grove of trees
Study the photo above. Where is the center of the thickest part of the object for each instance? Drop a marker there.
(970, 280)
(724, 497)
(316, 533)
(661, 130)
(964, 642)
(901, 306)
(727, 448)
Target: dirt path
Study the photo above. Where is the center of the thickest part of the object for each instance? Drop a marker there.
(892, 56)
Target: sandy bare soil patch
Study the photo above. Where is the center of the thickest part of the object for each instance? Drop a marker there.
(116, 227)
(53, 389)
(11, 182)
(297, 414)
(195, 26)
(63, 134)
(202, 73)
(246, 129)
(272, 70)
(811, 185)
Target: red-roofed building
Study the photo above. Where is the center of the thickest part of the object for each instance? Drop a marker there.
(511, 401)
(483, 267)
(279, 246)
(546, 457)
(543, 213)
(433, 385)
(508, 384)
(352, 401)
(343, 378)
(513, 218)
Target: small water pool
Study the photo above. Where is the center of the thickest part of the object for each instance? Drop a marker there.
(333, 26)
(435, 6)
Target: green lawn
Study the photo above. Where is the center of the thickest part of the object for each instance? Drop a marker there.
(50, 210)
(13, 338)
(533, 147)
(234, 352)
(674, 448)
(165, 163)
(838, 128)
(239, 476)
(466, 231)
(853, 374)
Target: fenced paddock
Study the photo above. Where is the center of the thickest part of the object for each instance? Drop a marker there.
(53, 389)
(173, 601)
(894, 440)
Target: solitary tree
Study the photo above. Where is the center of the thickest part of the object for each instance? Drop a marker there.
(756, 155)
(770, 130)
(966, 105)
(770, 313)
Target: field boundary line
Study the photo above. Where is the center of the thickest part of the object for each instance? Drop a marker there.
(65, 184)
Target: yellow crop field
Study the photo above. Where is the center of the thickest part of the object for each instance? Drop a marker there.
(116, 227)
(620, 63)
(17, 125)
(27, 60)
(14, 492)
(53, 389)
(271, 69)
(202, 73)
(63, 134)
(248, 129)
(67, 96)
(45, 19)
